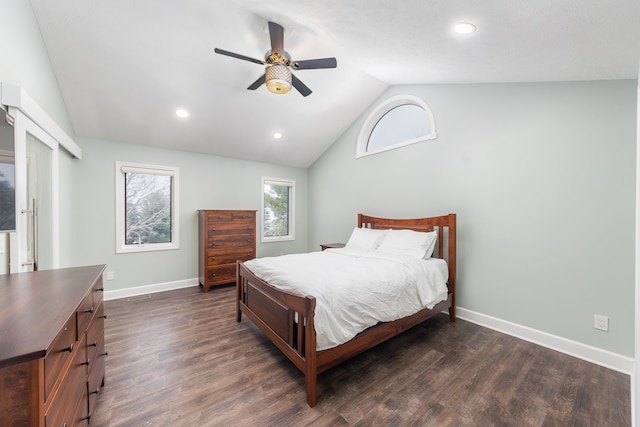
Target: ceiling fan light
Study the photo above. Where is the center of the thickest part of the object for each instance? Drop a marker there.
(278, 79)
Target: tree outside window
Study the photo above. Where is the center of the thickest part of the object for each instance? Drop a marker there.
(146, 215)
(7, 196)
(148, 208)
(277, 209)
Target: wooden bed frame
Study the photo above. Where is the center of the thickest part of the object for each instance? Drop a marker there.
(287, 318)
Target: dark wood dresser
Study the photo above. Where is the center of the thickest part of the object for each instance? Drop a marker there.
(52, 356)
(224, 237)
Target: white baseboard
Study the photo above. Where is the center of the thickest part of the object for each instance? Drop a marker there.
(150, 289)
(591, 354)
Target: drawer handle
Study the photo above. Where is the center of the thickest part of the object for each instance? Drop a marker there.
(89, 310)
(69, 349)
(100, 290)
(93, 344)
(87, 362)
(106, 353)
(86, 418)
(103, 317)
(94, 391)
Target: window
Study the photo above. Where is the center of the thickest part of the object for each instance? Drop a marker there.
(146, 207)
(7, 192)
(278, 203)
(399, 121)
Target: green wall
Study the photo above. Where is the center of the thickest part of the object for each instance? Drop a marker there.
(206, 182)
(542, 177)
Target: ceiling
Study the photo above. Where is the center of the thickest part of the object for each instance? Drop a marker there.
(125, 66)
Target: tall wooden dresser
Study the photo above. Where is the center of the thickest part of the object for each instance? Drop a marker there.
(52, 357)
(224, 237)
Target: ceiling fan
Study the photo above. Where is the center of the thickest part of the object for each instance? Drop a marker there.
(278, 63)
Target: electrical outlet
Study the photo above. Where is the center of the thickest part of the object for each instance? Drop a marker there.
(601, 322)
(109, 275)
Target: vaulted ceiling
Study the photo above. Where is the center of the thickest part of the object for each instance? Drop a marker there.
(124, 66)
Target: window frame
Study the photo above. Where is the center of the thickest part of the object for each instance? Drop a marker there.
(173, 172)
(291, 214)
(379, 112)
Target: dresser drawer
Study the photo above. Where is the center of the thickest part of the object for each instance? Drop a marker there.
(95, 333)
(64, 407)
(96, 375)
(216, 229)
(59, 355)
(82, 415)
(225, 273)
(224, 257)
(98, 292)
(229, 242)
(231, 216)
(85, 313)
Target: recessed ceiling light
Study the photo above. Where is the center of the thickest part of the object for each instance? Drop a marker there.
(464, 28)
(277, 135)
(182, 113)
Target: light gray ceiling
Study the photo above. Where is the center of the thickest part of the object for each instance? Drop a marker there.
(124, 66)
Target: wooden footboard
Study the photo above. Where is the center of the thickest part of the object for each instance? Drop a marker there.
(287, 319)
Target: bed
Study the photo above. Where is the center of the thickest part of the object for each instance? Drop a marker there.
(288, 318)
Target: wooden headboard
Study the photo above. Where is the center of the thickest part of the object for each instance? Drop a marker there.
(439, 223)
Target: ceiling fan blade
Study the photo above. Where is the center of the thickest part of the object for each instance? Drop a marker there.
(255, 85)
(301, 87)
(276, 32)
(237, 55)
(310, 64)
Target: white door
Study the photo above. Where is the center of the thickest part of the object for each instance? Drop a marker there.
(39, 215)
(36, 155)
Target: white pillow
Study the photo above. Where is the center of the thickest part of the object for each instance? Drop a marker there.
(365, 239)
(411, 243)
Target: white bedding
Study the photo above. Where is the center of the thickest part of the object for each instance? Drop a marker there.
(355, 290)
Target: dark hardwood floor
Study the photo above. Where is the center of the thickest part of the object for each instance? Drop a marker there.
(179, 358)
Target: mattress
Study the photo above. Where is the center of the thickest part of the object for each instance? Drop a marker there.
(355, 289)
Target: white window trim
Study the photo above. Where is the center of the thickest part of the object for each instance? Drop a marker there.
(377, 114)
(121, 247)
(292, 208)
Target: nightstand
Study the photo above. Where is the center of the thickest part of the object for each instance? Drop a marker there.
(324, 246)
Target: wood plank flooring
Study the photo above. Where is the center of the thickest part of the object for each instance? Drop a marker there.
(179, 358)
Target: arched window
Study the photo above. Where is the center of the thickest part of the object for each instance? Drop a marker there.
(398, 121)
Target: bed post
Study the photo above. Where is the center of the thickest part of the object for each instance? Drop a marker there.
(311, 368)
(452, 266)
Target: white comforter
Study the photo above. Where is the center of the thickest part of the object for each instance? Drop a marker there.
(355, 290)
